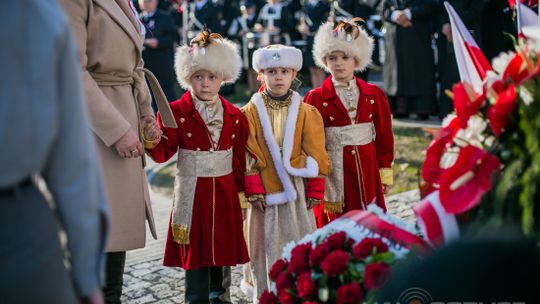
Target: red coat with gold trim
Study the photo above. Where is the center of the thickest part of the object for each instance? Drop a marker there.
(361, 164)
(216, 235)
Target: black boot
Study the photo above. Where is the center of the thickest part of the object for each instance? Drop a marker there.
(220, 281)
(197, 286)
(114, 276)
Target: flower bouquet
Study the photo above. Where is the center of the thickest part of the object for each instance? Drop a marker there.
(485, 161)
(345, 262)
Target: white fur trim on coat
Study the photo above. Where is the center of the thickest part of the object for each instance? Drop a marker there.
(220, 57)
(282, 163)
(277, 56)
(326, 42)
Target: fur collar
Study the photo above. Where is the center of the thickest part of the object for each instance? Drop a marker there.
(282, 162)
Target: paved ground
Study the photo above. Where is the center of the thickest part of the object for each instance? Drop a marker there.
(147, 281)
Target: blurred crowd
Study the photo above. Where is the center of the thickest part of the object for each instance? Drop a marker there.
(413, 39)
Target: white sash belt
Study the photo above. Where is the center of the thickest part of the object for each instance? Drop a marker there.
(191, 165)
(336, 139)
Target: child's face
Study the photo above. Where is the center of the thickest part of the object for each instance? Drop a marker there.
(340, 65)
(278, 80)
(205, 84)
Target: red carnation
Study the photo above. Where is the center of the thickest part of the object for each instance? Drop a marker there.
(376, 275)
(337, 240)
(365, 248)
(499, 113)
(284, 281)
(305, 286)
(268, 298)
(278, 267)
(431, 169)
(463, 184)
(335, 263)
(286, 298)
(466, 102)
(300, 258)
(319, 253)
(349, 294)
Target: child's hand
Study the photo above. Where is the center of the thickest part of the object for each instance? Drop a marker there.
(151, 129)
(386, 188)
(259, 205)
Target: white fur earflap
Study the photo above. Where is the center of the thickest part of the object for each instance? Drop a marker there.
(327, 41)
(220, 57)
(277, 56)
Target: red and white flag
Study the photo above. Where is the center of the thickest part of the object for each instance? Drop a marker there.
(472, 64)
(438, 226)
(525, 17)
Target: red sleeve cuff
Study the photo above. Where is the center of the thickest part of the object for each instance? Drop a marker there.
(315, 188)
(253, 185)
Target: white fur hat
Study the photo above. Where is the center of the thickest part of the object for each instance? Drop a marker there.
(277, 56)
(208, 52)
(350, 39)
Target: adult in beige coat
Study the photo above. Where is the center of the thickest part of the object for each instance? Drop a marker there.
(110, 41)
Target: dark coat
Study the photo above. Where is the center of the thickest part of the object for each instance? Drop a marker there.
(496, 22)
(210, 15)
(409, 65)
(314, 15)
(160, 60)
(470, 12)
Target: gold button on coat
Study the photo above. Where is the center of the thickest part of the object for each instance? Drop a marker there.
(189, 135)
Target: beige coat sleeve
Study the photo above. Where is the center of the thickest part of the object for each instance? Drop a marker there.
(106, 121)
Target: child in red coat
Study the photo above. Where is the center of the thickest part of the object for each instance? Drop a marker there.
(205, 231)
(357, 121)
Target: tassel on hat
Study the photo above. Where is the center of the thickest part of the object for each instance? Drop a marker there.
(211, 52)
(347, 37)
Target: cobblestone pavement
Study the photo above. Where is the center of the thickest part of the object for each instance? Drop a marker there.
(147, 281)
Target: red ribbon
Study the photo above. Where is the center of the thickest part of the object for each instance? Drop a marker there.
(387, 230)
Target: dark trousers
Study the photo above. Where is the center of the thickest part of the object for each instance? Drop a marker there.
(114, 277)
(31, 258)
(208, 285)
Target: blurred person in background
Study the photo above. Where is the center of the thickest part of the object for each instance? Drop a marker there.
(470, 12)
(48, 146)
(110, 39)
(313, 14)
(274, 24)
(495, 38)
(241, 30)
(158, 52)
(409, 67)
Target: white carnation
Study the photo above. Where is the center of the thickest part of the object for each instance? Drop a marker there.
(500, 62)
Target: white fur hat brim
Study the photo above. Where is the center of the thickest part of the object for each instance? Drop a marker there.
(326, 42)
(277, 56)
(220, 57)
